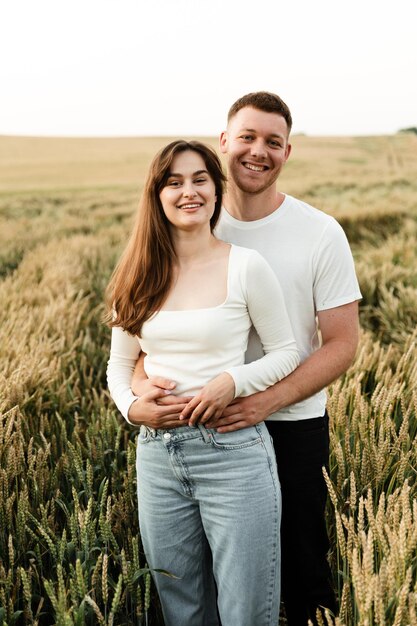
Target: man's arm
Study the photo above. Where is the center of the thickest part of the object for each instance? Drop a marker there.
(339, 331)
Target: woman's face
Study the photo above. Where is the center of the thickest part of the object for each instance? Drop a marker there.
(189, 195)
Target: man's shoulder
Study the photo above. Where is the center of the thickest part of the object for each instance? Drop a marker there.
(307, 222)
(304, 209)
(294, 219)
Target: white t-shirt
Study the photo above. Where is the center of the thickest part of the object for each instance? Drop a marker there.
(309, 253)
(195, 345)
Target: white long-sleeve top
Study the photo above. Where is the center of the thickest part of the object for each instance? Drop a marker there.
(193, 346)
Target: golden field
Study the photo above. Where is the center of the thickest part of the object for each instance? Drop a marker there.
(70, 551)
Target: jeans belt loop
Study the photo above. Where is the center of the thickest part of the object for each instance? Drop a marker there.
(206, 435)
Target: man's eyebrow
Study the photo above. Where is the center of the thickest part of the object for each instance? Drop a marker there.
(197, 173)
(252, 130)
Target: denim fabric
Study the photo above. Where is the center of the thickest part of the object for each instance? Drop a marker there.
(209, 513)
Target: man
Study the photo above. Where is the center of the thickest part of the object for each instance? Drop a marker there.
(309, 252)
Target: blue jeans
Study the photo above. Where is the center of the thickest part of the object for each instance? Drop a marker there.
(209, 513)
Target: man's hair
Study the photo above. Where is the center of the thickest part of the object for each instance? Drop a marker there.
(263, 101)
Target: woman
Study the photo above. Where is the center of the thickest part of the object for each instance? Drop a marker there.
(209, 503)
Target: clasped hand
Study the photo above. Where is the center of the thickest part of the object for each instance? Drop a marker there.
(156, 407)
(210, 402)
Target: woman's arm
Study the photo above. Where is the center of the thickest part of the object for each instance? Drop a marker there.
(124, 352)
(268, 313)
(339, 331)
(145, 410)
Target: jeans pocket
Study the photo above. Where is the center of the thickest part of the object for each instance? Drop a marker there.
(236, 440)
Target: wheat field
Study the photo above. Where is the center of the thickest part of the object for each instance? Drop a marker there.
(70, 551)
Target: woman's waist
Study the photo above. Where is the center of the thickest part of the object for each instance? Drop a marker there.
(190, 378)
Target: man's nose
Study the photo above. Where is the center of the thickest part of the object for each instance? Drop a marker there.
(258, 149)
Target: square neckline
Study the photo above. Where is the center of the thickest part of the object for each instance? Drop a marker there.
(209, 308)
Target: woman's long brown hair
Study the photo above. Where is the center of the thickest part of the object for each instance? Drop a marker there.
(143, 276)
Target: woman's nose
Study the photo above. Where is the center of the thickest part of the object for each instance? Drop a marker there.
(189, 191)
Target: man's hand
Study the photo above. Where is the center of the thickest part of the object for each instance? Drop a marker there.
(241, 413)
(156, 409)
(140, 387)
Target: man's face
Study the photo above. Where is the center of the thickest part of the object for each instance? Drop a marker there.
(256, 144)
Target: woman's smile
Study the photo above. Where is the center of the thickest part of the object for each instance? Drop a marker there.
(190, 207)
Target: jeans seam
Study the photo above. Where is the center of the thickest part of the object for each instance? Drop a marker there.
(175, 450)
(277, 531)
(236, 446)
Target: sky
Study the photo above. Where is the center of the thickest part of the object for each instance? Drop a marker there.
(174, 67)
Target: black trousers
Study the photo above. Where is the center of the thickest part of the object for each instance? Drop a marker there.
(302, 448)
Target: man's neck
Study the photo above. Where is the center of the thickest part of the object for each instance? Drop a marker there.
(248, 207)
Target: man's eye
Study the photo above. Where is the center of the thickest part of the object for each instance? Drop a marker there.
(274, 144)
(247, 137)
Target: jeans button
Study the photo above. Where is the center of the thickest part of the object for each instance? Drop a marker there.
(167, 435)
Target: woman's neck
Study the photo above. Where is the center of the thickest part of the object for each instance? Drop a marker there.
(191, 246)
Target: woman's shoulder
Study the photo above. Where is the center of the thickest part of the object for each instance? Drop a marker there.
(248, 265)
(247, 255)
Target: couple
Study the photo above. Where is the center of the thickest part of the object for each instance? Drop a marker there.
(208, 487)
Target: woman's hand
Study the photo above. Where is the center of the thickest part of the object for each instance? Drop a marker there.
(157, 409)
(210, 401)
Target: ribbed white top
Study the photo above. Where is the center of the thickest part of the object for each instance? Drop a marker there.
(195, 345)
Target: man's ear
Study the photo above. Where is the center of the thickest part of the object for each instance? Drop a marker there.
(223, 142)
(287, 152)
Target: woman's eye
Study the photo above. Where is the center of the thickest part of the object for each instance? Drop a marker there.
(173, 183)
(200, 180)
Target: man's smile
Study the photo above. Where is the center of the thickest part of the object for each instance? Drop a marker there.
(255, 168)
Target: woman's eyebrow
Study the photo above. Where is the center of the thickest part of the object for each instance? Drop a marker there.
(194, 173)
